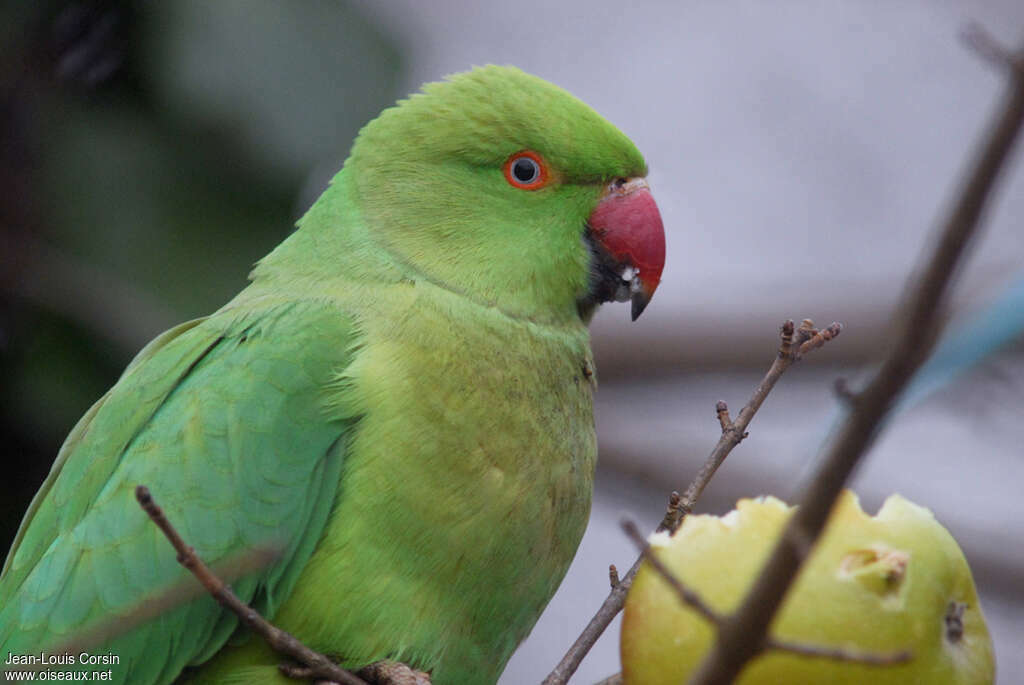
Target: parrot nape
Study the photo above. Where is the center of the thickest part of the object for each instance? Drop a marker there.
(398, 405)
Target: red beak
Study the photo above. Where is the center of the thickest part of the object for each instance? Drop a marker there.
(627, 224)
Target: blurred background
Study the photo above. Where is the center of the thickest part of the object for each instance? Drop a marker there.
(801, 153)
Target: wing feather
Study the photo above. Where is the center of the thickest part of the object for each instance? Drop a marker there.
(228, 420)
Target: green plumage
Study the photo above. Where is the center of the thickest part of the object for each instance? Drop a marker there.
(392, 425)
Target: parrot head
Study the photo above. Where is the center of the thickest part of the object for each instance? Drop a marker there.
(507, 189)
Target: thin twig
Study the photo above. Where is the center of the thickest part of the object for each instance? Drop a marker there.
(675, 499)
(229, 568)
(722, 412)
(819, 338)
(736, 432)
(844, 654)
(611, 606)
(611, 680)
(316, 665)
(680, 505)
(613, 576)
(843, 391)
(685, 594)
(741, 636)
(992, 51)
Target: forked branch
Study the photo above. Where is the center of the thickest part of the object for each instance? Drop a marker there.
(793, 344)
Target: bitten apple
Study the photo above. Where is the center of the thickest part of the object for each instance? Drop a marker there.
(884, 583)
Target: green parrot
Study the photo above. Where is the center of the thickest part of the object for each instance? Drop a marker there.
(389, 430)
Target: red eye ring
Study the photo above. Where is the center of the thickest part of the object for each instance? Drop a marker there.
(526, 170)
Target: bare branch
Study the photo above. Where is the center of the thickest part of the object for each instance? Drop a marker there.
(722, 412)
(680, 506)
(843, 391)
(741, 636)
(819, 338)
(316, 665)
(978, 39)
(611, 606)
(111, 626)
(611, 680)
(613, 576)
(805, 339)
(841, 653)
(675, 500)
(685, 594)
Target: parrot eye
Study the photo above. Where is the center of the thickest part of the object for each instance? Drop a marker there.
(526, 170)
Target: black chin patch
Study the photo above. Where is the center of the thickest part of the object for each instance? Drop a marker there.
(604, 281)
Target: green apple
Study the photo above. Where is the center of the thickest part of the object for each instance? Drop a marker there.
(884, 583)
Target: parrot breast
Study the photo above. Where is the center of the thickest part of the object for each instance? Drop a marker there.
(465, 493)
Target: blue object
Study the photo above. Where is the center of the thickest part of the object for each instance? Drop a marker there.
(968, 344)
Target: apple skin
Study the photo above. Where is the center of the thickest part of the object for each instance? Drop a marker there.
(882, 583)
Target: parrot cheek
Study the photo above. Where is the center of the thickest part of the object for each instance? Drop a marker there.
(626, 225)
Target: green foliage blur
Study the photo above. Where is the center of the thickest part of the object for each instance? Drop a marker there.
(150, 153)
